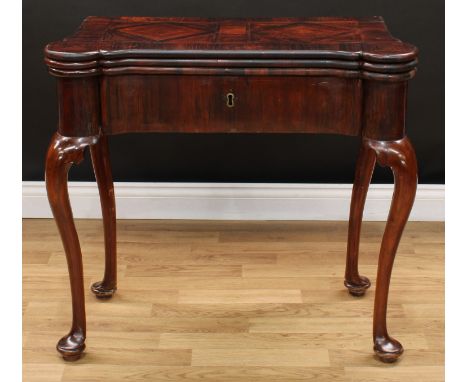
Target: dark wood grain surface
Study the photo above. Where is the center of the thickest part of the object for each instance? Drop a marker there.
(187, 103)
(131, 44)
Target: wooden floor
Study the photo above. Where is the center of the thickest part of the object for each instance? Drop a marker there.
(233, 301)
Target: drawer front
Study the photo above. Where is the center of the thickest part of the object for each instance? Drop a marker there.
(224, 104)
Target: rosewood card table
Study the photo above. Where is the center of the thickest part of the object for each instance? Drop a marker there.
(344, 76)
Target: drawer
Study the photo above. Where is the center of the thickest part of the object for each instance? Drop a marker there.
(223, 104)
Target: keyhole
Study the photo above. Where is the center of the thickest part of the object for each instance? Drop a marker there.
(230, 100)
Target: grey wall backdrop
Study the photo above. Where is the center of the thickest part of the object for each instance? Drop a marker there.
(237, 158)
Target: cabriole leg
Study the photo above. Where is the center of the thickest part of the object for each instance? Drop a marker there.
(62, 153)
(102, 170)
(400, 157)
(355, 283)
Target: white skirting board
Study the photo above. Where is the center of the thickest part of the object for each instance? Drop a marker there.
(233, 201)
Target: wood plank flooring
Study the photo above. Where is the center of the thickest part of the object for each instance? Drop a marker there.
(233, 301)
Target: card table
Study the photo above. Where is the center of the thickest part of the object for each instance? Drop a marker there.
(320, 75)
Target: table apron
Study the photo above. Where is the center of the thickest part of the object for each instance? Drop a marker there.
(231, 104)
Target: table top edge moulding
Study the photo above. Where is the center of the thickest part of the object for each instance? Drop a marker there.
(330, 75)
(362, 47)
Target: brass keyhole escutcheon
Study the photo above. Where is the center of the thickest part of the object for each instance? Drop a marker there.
(230, 100)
